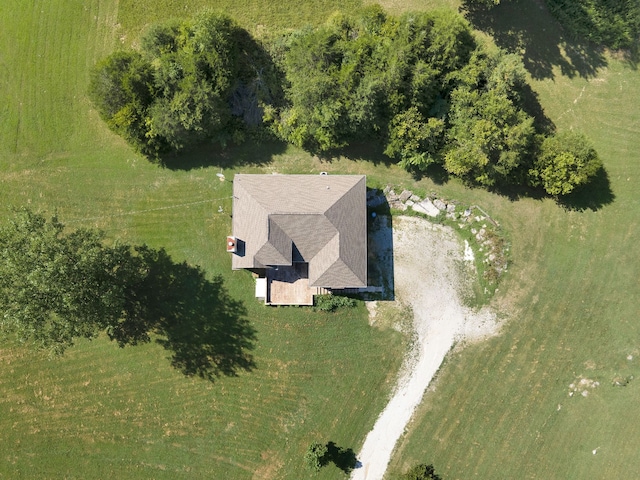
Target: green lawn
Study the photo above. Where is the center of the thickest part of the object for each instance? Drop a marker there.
(259, 17)
(102, 411)
(500, 409)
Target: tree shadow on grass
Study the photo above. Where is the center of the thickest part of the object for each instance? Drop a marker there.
(591, 196)
(357, 151)
(249, 153)
(343, 458)
(205, 330)
(527, 28)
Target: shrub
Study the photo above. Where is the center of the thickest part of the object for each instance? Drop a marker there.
(330, 303)
(566, 161)
(422, 471)
(314, 456)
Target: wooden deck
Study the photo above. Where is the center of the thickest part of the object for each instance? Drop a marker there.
(290, 286)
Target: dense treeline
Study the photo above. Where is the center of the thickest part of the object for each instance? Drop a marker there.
(422, 87)
(419, 86)
(348, 79)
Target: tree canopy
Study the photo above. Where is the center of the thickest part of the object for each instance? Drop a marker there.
(348, 79)
(421, 471)
(491, 136)
(177, 90)
(419, 87)
(57, 287)
(565, 161)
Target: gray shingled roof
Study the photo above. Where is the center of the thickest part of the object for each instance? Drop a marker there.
(318, 219)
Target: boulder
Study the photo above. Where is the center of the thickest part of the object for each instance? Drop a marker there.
(439, 204)
(426, 207)
(405, 195)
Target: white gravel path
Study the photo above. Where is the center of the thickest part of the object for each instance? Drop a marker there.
(429, 275)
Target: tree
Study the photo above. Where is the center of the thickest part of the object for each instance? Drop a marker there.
(349, 78)
(56, 287)
(122, 89)
(314, 456)
(565, 161)
(177, 91)
(414, 141)
(491, 136)
(421, 471)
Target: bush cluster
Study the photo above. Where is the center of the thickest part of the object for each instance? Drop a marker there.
(330, 303)
(423, 88)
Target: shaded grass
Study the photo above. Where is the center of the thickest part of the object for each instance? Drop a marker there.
(527, 28)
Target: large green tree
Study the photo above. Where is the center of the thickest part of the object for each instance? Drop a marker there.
(177, 90)
(491, 137)
(565, 161)
(56, 287)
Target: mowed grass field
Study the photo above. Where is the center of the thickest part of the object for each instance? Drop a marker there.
(499, 409)
(502, 408)
(101, 411)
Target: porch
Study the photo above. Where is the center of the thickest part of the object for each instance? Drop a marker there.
(287, 286)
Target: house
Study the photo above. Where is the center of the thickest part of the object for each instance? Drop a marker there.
(300, 234)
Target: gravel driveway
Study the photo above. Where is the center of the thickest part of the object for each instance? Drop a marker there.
(430, 274)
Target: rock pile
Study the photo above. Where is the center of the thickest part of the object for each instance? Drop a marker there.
(582, 386)
(490, 247)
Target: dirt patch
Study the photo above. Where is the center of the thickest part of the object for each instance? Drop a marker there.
(270, 468)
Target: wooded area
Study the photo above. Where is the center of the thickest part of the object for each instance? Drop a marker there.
(420, 86)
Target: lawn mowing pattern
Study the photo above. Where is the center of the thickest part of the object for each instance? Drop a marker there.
(502, 409)
(105, 411)
(101, 411)
(48, 49)
(494, 412)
